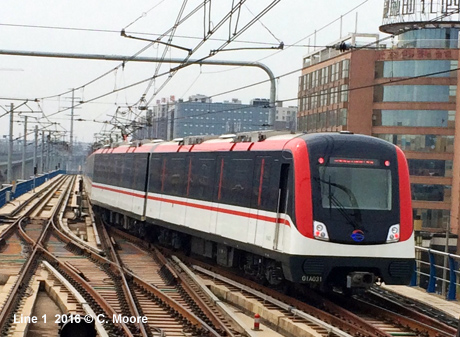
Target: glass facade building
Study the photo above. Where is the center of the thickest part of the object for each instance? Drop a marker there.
(201, 118)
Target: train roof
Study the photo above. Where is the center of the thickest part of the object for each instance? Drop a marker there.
(260, 142)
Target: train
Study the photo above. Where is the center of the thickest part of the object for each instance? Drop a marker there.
(329, 210)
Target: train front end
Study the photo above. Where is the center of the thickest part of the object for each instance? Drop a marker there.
(361, 229)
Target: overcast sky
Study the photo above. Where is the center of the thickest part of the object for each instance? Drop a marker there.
(95, 29)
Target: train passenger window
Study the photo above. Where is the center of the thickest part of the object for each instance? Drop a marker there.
(236, 181)
(104, 168)
(175, 177)
(98, 168)
(201, 185)
(124, 170)
(155, 174)
(97, 178)
(264, 196)
(113, 177)
(140, 167)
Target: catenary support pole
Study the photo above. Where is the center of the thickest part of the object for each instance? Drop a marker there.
(24, 150)
(9, 175)
(42, 158)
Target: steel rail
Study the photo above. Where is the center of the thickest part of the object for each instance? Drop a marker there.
(106, 307)
(13, 226)
(351, 324)
(25, 270)
(174, 305)
(431, 324)
(125, 286)
(38, 250)
(179, 278)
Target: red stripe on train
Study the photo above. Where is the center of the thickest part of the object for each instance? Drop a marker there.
(209, 208)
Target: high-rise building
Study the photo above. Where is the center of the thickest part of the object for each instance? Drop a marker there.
(401, 87)
(200, 116)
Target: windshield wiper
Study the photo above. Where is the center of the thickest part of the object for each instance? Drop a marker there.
(340, 206)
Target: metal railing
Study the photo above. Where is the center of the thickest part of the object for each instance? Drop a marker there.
(25, 186)
(437, 272)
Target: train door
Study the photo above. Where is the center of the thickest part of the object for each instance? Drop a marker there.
(283, 198)
(173, 189)
(217, 194)
(200, 192)
(146, 187)
(156, 174)
(260, 199)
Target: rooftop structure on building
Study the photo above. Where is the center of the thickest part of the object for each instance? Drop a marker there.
(200, 98)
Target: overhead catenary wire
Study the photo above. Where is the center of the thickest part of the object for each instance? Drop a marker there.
(112, 70)
(85, 102)
(144, 14)
(392, 81)
(117, 32)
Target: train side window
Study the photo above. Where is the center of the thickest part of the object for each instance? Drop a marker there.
(263, 192)
(140, 167)
(97, 168)
(201, 185)
(236, 181)
(284, 196)
(124, 166)
(105, 168)
(156, 168)
(175, 178)
(111, 174)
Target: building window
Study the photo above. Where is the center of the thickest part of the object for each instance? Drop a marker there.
(414, 93)
(416, 118)
(342, 117)
(345, 68)
(431, 192)
(386, 69)
(325, 75)
(323, 97)
(307, 84)
(314, 79)
(432, 218)
(452, 93)
(332, 118)
(334, 96)
(314, 101)
(335, 72)
(344, 93)
(430, 167)
(421, 143)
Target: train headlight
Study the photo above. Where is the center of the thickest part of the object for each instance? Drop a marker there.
(320, 231)
(393, 234)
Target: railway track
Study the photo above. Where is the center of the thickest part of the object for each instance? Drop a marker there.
(156, 269)
(95, 284)
(395, 302)
(120, 277)
(337, 315)
(373, 319)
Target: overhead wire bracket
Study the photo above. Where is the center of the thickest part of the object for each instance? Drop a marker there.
(123, 33)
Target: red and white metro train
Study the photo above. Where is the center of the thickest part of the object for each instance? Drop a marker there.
(328, 209)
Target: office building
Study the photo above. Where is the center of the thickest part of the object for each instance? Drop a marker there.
(401, 87)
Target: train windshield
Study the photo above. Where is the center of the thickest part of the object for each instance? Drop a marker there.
(355, 188)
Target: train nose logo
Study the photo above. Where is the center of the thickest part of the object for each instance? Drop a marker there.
(357, 235)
